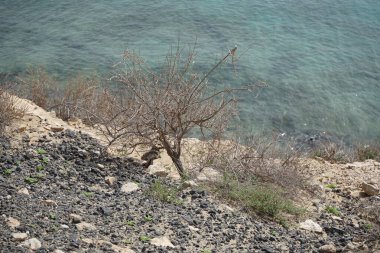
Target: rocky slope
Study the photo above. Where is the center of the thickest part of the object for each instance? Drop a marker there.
(61, 193)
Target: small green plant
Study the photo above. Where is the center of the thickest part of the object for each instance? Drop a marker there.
(164, 193)
(126, 241)
(45, 160)
(31, 180)
(148, 218)
(261, 198)
(39, 167)
(331, 186)
(206, 251)
(40, 176)
(7, 171)
(332, 210)
(130, 223)
(52, 216)
(367, 226)
(145, 238)
(88, 194)
(41, 151)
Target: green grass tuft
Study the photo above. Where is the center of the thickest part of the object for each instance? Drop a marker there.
(164, 193)
(261, 198)
(333, 210)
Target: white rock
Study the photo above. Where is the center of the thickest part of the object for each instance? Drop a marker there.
(49, 202)
(227, 208)
(355, 223)
(328, 248)
(311, 226)
(158, 170)
(209, 174)
(370, 189)
(12, 222)
(56, 129)
(193, 228)
(58, 251)
(75, 218)
(162, 241)
(129, 187)
(110, 180)
(119, 249)
(19, 237)
(64, 226)
(85, 226)
(23, 191)
(189, 183)
(100, 166)
(33, 244)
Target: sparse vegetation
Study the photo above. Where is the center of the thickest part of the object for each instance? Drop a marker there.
(145, 238)
(31, 180)
(39, 167)
(333, 210)
(332, 152)
(164, 193)
(45, 160)
(331, 186)
(41, 151)
(127, 241)
(368, 226)
(130, 223)
(368, 152)
(9, 111)
(8, 171)
(148, 218)
(261, 198)
(88, 194)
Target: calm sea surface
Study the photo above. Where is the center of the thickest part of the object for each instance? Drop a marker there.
(321, 58)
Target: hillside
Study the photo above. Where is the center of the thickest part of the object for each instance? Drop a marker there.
(62, 192)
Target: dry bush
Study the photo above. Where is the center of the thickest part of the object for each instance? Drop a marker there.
(333, 152)
(37, 86)
(364, 152)
(76, 98)
(254, 159)
(161, 107)
(8, 110)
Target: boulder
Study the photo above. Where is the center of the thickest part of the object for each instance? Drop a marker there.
(33, 244)
(209, 174)
(370, 189)
(110, 180)
(162, 241)
(311, 226)
(85, 226)
(12, 222)
(328, 248)
(129, 187)
(19, 237)
(158, 170)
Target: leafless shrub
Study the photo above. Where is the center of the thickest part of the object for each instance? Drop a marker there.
(74, 99)
(254, 159)
(8, 109)
(37, 86)
(160, 107)
(333, 152)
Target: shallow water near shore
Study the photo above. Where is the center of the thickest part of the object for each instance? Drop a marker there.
(321, 59)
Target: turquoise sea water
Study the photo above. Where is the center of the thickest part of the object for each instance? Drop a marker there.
(321, 58)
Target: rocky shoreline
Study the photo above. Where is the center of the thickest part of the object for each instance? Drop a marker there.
(61, 192)
(72, 207)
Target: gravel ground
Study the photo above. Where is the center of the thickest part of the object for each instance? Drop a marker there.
(58, 192)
